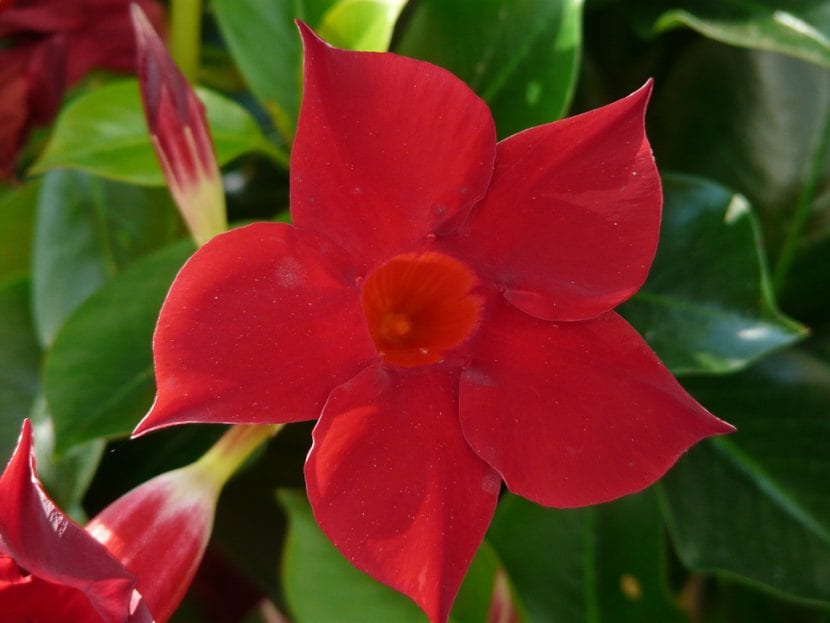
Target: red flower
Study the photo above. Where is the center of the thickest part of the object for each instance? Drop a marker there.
(51, 570)
(444, 304)
(55, 44)
(137, 557)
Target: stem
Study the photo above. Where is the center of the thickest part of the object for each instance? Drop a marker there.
(802, 212)
(234, 448)
(186, 36)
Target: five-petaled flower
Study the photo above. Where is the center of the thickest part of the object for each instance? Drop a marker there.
(132, 564)
(443, 303)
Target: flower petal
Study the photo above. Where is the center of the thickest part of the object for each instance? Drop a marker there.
(388, 150)
(51, 547)
(395, 486)
(570, 224)
(259, 326)
(574, 414)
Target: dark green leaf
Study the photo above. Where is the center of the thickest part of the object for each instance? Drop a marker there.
(600, 564)
(104, 132)
(756, 504)
(521, 57)
(19, 362)
(707, 305)
(754, 121)
(311, 561)
(800, 28)
(87, 229)
(98, 376)
(17, 223)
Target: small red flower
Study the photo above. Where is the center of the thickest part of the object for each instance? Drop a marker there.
(51, 570)
(55, 43)
(132, 564)
(443, 304)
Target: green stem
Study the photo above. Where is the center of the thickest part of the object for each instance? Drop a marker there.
(186, 36)
(802, 211)
(228, 454)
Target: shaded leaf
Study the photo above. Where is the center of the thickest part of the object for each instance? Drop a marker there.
(522, 58)
(597, 564)
(104, 132)
(87, 229)
(800, 28)
(707, 305)
(756, 504)
(98, 376)
(17, 222)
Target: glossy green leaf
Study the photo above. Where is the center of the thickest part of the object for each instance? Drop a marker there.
(707, 305)
(755, 121)
(87, 229)
(17, 223)
(756, 504)
(350, 596)
(800, 28)
(596, 565)
(521, 57)
(104, 132)
(98, 376)
(361, 24)
(19, 362)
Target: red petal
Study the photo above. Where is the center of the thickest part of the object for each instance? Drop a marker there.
(159, 532)
(50, 546)
(259, 326)
(570, 224)
(388, 150)
(395, 486)
(574, 414)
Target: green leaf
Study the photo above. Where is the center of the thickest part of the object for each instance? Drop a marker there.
(311, 561)
(756, 504)
(522, 57)
(19, 362)
(742, 117)
(590, 565)
(798, 28)
(87, 229)
(707, 305)
(104, 132)
(17, 223)
(361, 24)
(98, 376)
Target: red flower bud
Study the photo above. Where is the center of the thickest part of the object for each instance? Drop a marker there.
(177, 123)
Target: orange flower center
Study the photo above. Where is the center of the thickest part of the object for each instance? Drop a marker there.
(418, 306)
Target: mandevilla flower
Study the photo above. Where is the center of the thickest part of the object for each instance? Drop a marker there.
(135, 560)
(443, 304)
(181, 138)
(50, 45)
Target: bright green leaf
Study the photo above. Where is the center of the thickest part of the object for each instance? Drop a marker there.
(756, 504)
(361, 24)
(87, 229)
(707, 305)
(595, 565)
(17, 222)
(98, 376)
(521, 57)
(800, 28)
(104, 132)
